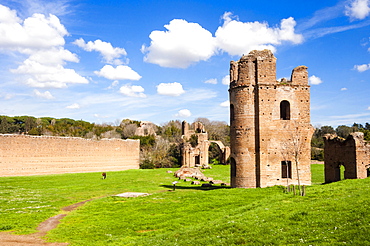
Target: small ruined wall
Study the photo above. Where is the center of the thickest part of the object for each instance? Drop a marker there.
(353, 153)
(34, 155)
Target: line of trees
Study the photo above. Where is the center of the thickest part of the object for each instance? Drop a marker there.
(161, 149)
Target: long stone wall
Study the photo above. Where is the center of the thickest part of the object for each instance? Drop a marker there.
(34, 155)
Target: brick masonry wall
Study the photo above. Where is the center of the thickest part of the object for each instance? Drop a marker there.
(34, 155)
(261, 137)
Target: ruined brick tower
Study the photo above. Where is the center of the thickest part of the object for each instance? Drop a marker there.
(270, 123)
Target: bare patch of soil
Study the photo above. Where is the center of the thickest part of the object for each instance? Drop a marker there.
(8, 239)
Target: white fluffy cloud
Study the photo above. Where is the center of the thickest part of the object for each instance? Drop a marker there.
(237, 38)
(44, 95)
(170, 89)
(211, 81)
(183, 113)
(226, 80)
(358, 9)
(132, 91)
(48, 76)
(181, 45)
(35, 32)
(362, 68)
(110, 54)
(313, 80)
(343, 89)
(74, 106)
(225, 104)
(121, 72)
(42, 39)
(186, 43)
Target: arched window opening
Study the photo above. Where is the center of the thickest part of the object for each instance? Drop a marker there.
(284, 110)
(368, 172)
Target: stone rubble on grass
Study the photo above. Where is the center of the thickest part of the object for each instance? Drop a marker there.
(132, 194)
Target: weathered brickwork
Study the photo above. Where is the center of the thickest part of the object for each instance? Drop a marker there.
(353, 153)
(198, 155)
(33, 155)
(270, 123)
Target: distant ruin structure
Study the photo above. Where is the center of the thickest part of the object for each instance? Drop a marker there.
(22, 155)
(353, 153)
(195, 146)
(146, 128)
(270, 131)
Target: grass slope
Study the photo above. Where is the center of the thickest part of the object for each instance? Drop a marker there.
(331, 214)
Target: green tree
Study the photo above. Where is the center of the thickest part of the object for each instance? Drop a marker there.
(193, 140)
(343, 131)
(4, 125)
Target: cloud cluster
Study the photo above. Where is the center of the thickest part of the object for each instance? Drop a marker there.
(184, 113)
(358, 9)
(121, 72)
(226, 80)
(110, 54)
(186, 43)
(313, 80)
(362, 68)
(41, 38)
(181, 45)
(225, 104)
(211, 81)
(44, 95)
(132, 91)
(170, 89)
(237, 38)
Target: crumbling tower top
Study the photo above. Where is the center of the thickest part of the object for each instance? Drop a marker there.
(259, 68)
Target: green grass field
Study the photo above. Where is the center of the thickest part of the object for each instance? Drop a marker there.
(330, 214)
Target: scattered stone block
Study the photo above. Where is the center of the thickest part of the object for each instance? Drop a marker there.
(132, 194)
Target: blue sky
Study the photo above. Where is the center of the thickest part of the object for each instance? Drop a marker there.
(104, 61)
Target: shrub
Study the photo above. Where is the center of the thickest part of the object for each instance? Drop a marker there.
(146, 164)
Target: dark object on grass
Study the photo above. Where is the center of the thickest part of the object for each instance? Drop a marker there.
(206, 185)
(216, 182)
(104, 175)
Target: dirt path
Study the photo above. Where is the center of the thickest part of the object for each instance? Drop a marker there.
(8, 239)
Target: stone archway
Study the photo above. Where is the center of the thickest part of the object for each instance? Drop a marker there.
(225, 151)
(214, 154)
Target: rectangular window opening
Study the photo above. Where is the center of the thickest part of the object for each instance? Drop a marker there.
(286, 169)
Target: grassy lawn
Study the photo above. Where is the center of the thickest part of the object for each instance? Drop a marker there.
(330, 214)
